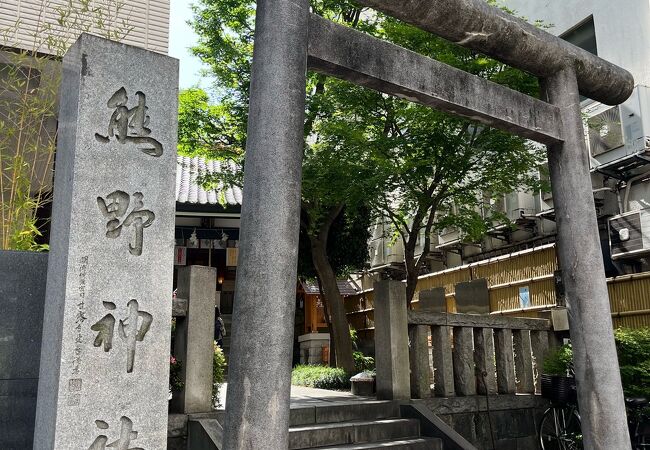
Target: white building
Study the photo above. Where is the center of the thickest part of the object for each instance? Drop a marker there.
(147, 21)
(618, 139)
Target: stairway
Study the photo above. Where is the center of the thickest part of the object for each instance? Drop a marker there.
(357, 425)
(344, 426)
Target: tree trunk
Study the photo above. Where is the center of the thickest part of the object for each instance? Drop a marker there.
(332, 297)
(412, 271)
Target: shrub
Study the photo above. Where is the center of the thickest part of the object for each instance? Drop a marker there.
(218, 374)
(175, 380)
(633, 348)
(354, 337)
(321, 377)
(560, 362)
(363, 363)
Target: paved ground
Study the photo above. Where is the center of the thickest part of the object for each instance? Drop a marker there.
(305, 396)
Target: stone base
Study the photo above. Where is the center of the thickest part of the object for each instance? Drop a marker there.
(177, 432)
(22, 296)
(311, 348)
(364, 388)
(514, 419)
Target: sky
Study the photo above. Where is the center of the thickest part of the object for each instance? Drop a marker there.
(181, 38)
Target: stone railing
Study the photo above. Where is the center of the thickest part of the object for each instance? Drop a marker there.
(474, 354)
(421, 353)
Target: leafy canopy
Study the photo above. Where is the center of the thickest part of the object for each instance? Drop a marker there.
(421, 168)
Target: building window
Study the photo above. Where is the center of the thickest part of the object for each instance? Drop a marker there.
(583, 36)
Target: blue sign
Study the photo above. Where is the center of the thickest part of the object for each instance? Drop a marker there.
(524, 297)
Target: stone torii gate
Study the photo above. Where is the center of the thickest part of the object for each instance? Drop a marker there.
(289, 41)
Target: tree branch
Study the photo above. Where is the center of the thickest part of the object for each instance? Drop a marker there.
(325, 227)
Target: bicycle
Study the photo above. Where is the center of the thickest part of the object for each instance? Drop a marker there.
(560, 427)
(637, 419)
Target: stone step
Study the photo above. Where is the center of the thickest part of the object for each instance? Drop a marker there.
(344, 412)
(358, 432)
(401, 444)
(205, 433)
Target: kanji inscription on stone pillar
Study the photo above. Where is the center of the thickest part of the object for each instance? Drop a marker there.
(105, 353)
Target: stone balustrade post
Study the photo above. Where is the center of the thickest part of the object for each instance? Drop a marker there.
(443, 374)
(523, 361)
(104, 366)
(391, 341)
(193, 345)
(419, 359)
(463, 361)
(505, 361)
(485, 361)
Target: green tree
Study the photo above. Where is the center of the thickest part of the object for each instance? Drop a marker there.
(334, 219)
(439, 170)
(434, 170)
(431, 170)
(334, 177)
(410, 163)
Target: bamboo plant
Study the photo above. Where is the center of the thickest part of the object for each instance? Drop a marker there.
(30, 76)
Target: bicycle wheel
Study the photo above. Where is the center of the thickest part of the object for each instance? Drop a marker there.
(560, 429)
(641, 442)
(640, 429)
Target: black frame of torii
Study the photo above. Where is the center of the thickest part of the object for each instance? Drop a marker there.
(289, 40)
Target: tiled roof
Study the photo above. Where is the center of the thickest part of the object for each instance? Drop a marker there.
(345, 287)
(188, 191)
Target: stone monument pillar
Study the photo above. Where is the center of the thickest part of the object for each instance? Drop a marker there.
(105, 349)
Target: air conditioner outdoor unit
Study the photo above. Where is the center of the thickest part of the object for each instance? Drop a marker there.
(512, 205)
(376, 254)
(447, 235)
(518, 204)
(393, 251)
(629, 234)
(382, 248)
(614, 132)
(376, 245)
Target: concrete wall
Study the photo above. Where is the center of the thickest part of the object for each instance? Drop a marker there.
(622, 37)
(46, 86)
(22, 296)
(512, 420)
(622, 34)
